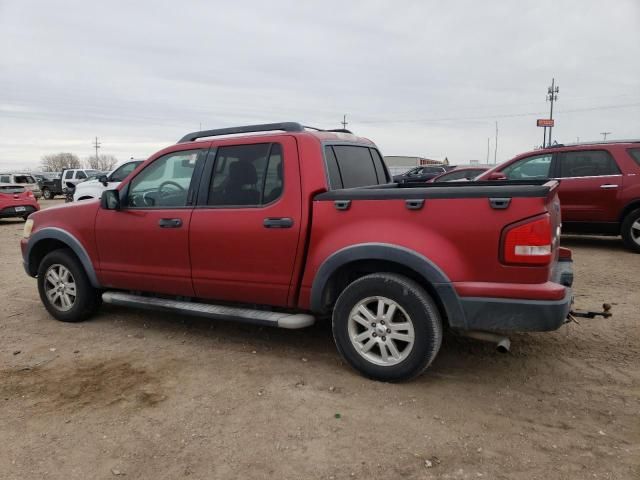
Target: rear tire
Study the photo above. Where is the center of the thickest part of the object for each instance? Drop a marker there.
(64, 288)
(630, 231)
(387, 327)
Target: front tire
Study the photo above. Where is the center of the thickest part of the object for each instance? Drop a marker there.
(64, 288)
(46, 193)
(630, 231)
(387, 327)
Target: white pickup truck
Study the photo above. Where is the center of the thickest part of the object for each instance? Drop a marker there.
(94, 188)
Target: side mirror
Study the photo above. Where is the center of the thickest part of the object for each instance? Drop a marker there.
(103, 180)
(110, 200)
(497, 176)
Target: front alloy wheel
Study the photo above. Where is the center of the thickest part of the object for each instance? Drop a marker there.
(60, 287)
(64, 288)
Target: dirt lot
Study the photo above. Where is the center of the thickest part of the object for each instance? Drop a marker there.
(143, 395)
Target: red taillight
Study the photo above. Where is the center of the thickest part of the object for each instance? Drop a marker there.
(529, 243)
(30, 194)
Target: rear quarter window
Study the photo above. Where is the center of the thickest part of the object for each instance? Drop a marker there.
(635, 154)
(350, 166)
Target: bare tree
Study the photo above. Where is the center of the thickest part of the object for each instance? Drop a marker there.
(59, 161)
(103, 163)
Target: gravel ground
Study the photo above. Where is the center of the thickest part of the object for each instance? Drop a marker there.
(136, 394)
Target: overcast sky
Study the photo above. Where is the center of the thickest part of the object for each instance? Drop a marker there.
(417, 77)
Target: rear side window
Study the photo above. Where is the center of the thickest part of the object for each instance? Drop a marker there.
(81, 175)
(587, 163)
(635, 154)
(351, 166)
(5, 179)
(24, 179)
(247, 175)
(68, 174)
(537, 166)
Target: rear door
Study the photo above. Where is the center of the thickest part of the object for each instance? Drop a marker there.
(590, 184)
(145, 245)
(244, 231)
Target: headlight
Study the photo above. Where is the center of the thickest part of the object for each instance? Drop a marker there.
(28, 226)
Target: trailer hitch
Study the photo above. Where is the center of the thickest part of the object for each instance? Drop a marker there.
(575, 314)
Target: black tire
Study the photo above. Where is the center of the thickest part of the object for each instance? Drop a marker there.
(627, 231)
(86, 299)
(417, 304)
(46, 194)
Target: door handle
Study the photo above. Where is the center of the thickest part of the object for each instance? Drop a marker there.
(608, 186)
(283, 222)
(170, 223)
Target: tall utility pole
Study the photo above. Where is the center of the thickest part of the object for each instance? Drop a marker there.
(488, 140)
(344, 122)
(96, 145)
(604, 135)
(552, 96)
(495, 151)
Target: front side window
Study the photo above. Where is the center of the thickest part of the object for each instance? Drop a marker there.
(587, 163)
(529, 168)
(123, 171)
(247, 175)
(68, 174)
(80, 175)
(165, 182)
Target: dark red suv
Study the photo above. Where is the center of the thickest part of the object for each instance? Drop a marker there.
(599, 185)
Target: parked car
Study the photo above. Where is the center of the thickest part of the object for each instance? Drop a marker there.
(68, 178)
(16, 201)
(599, 185)
(25, 179)
(459, 174)
(419, 174)
(290, 225)
(93, 188)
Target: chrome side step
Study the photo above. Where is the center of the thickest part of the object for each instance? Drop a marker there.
(221, 312)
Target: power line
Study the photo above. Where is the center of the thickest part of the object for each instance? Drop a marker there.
(506, 115)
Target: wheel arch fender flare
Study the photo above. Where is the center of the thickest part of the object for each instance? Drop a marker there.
(403, 256)
(54, 233)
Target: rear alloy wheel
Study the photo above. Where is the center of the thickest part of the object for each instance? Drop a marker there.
(64, 288)
(387, 327)
(631, 231)
(46, 193)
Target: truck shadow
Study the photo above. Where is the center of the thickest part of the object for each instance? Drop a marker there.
(466, 359)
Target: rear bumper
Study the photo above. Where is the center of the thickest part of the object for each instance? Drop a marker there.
(509, 314)
(519, 314)
(10, 212)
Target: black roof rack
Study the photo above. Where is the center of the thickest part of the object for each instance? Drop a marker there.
(594, 142)
(265, 127)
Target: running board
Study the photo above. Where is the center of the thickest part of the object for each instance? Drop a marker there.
(221, 312)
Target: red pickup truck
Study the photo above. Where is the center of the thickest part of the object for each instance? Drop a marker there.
(289, 225)
(599, 185)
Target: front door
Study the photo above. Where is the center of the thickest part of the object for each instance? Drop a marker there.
(590, 183)
(245, 229)
(145, 245)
